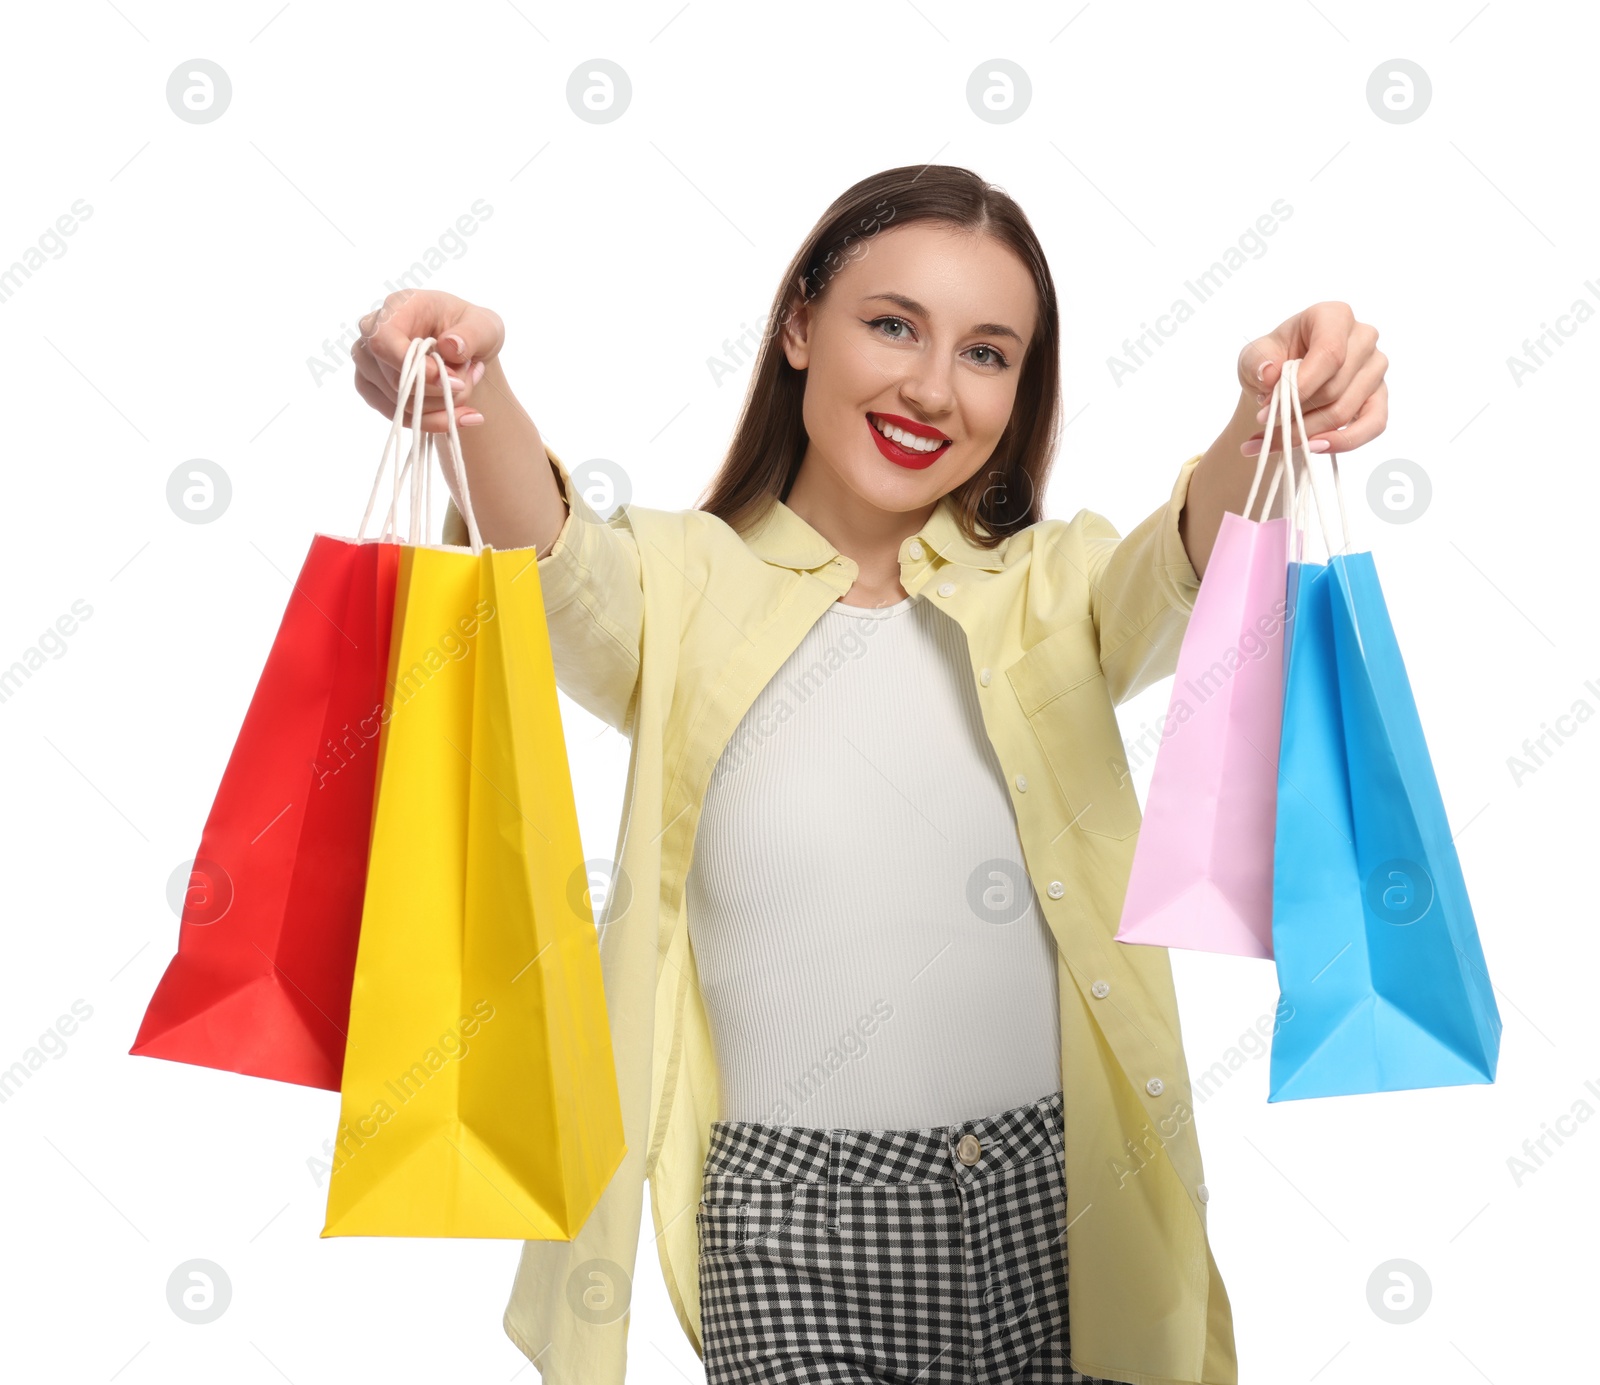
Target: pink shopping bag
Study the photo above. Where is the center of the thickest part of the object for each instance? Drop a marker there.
(1202, 866)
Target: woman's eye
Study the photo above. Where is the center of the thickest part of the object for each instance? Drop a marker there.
(992, 357)
(886, 322)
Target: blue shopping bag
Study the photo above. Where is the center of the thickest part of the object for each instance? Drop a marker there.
(1373, 935)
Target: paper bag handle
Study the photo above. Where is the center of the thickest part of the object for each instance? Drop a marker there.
(418, 464)
(1291, 376)
(1284, 471)
(1281, 472)
(1286, 396)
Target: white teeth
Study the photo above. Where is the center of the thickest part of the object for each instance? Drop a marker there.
(905, 439)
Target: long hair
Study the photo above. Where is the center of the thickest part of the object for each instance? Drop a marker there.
(769, 442)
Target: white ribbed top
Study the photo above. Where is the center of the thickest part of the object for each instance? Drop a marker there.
(869, 946)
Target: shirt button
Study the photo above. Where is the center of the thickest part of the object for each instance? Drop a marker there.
(1022, 783)
(1055, 889)
(916, 549)
(1203, 1193)
(968, 1149)
(983, 676)
(1100, 990)
(1154, 1086)
(945, 588)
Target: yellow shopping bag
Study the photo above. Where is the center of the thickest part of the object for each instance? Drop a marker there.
(479, 1093)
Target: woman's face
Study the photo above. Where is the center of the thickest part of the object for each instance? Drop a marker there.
(924, 334)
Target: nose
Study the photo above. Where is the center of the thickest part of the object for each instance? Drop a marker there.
(928, 386)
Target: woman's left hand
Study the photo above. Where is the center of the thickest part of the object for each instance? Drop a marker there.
(1343, 394)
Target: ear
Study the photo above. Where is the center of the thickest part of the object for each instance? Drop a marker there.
(796, 330)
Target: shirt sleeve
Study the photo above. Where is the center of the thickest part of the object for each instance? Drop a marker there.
(1142, 590)
(593, 589)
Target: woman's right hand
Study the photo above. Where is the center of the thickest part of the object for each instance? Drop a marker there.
(515, 496)
(467, 336)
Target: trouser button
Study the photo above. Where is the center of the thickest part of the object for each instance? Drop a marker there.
(968, 1149)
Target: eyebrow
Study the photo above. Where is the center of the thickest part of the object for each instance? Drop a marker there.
(991, 329)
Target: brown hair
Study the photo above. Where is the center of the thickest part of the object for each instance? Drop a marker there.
(770, 439)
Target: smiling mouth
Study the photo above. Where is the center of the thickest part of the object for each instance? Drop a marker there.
(906, 442)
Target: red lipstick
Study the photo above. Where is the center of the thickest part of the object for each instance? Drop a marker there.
(906, 456)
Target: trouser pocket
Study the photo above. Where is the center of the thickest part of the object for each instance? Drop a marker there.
(737, 1211)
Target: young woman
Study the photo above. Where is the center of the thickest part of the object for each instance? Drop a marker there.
(882, 1063)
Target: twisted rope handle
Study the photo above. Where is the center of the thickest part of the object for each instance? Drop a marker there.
(1286, 396)
(418, 466)
(1284, 471)
(1290, 374)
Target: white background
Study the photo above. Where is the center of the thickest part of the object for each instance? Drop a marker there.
(220, 257)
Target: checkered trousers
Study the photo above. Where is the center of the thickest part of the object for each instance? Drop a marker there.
(887, 1257)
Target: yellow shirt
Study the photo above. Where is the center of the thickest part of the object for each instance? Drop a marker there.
(666, 625)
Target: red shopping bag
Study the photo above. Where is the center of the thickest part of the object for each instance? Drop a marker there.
(267, 942)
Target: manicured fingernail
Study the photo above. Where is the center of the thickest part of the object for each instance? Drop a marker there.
(1252, 447)
(1261, 399)
(1317, 445)
(477, 372)
(456, 345)
(468, 418)
(1261, 414)
(1261, 370)
(456, 384)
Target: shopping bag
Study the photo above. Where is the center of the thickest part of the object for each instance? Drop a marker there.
(261, 980)
(1202, 865)
(479, 1095)
(1374, 940)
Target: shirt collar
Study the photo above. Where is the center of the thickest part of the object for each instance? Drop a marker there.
(783, 538)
